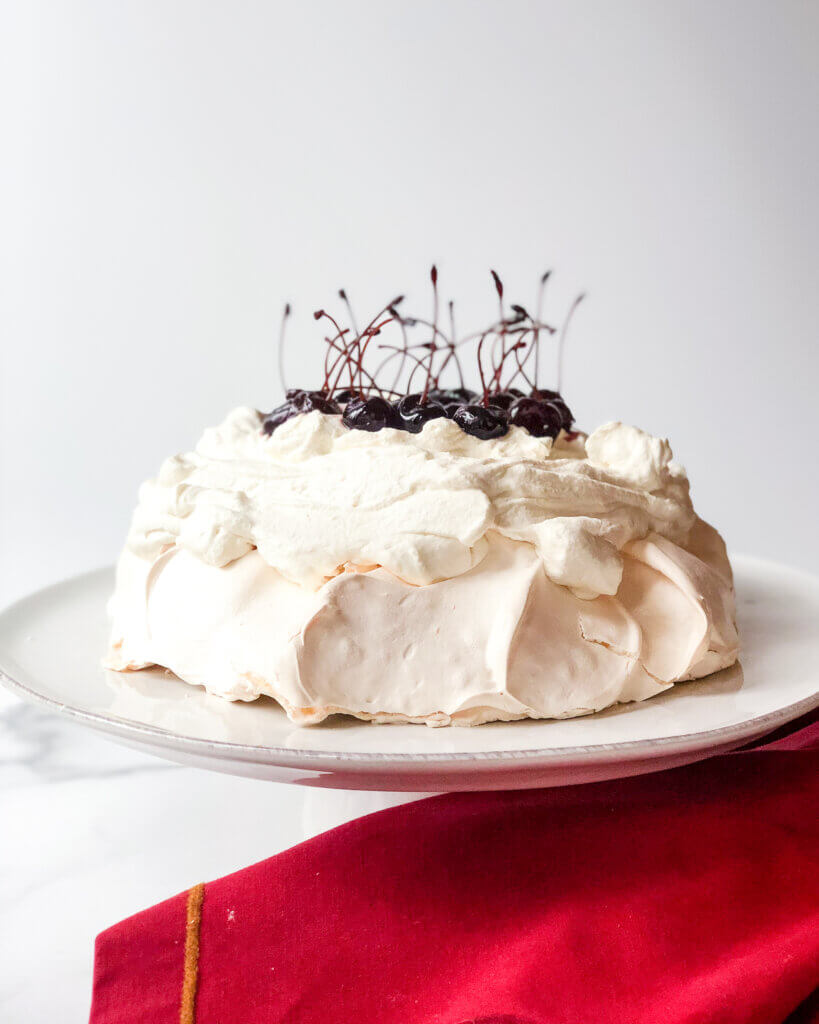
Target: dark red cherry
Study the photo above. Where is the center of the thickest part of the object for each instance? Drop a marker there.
(450, 408)
(504, 399)
(562, 410)
(555, 399)
(413, 413)
(314, 401)
(343, 397)
(481, 421)
(450, 396)
(544, 394)
(277, 417)
(298, 401)
(539, 418)
(372, 414)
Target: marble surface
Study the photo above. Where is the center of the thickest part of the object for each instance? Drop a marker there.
(93, 832)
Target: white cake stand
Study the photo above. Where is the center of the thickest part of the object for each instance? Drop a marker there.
(51, 644)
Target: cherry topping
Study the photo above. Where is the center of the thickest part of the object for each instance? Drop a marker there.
(565, 413)
(452, 399)
(504, 399)
(414, 413)
(298, 401)
(544, 414)
(481, 421)
(343, 397)
(450, 408)
(555, 399)
(372, 414)
(277, 417)
(507, 352)
(541, 419)
(448, 396)
(314, 401)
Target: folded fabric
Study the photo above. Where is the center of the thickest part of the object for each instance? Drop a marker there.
(689, 895)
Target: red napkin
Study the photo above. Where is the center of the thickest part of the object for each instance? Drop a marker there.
(689, 895)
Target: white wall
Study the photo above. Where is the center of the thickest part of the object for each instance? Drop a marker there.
(175, 170)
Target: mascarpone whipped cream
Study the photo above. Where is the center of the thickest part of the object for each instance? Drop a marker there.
(427, 577)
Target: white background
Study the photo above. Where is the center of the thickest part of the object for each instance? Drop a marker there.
(175, 170)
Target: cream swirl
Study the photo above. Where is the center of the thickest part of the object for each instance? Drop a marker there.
(316, 497)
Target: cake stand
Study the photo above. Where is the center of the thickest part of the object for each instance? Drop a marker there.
(51, 644)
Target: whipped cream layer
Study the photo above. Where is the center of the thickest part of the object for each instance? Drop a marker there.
(430, 578)
(315, 498)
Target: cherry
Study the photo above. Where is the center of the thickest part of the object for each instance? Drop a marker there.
(541, 419)
(555, 399)
(565, 413)
(343, 397)
(371, 413)
(542, 414)
(481, 421)
(277, 417)
(451, 399)
(314, 401)
(449, 396)
(298, 401)
(414, 413)
(504, 399)
(544, 394)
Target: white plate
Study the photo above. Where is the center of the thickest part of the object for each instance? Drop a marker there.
(51, 644)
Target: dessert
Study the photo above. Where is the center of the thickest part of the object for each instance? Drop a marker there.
(426, 554)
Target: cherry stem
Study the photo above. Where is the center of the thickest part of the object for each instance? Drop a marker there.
(282, 327)
(539, 317)
(561, 343)
(342, 294)
(320, 314)
(521, 363)
(433, 276)
(366, 333)
(371, 333)
(480, 369)
(514, 342)
(453, 345)
(420, 363)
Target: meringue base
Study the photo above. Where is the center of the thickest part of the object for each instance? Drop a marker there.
(498, 643)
